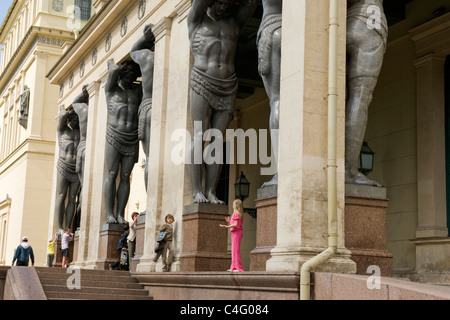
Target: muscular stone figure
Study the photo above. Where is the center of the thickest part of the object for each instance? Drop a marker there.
(123, 97)
(67, 181)
(143, 53)
(80, 104)
(269, 65)
(214, 27)
(367, 33)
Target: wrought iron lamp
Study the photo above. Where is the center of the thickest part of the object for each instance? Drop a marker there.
(242, 190)
(366, 156)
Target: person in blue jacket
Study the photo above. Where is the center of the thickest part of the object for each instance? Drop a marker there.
(23, 254)
(123, 243)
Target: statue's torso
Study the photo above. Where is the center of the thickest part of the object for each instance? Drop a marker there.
(68, 143)
(214, 47)
(123, 108)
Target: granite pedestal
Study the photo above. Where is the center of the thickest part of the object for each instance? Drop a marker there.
(107, 250)
(205, 244)
(365, 228)
(266, 227)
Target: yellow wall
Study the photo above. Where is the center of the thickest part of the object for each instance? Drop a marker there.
(26, 167)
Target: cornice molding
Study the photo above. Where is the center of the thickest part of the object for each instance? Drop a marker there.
(162, 28)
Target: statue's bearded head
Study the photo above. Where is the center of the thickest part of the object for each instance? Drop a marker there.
(72, 120)
(220, 8)
(130, 72)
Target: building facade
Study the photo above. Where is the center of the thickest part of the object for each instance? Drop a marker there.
(33, 35)
(407, 129)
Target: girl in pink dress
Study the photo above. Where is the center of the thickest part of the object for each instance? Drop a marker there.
(235, 226)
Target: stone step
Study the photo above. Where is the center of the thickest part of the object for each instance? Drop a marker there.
(97, 290)
(92, 283)
(56, 295)
(55, 270)
(91, 276)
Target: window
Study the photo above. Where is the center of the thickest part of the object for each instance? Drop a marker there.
(84, 12)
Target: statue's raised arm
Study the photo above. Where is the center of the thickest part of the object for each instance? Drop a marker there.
(195, 15)
(62, 118)
(146, 41)
(244, 12)
(114, 72)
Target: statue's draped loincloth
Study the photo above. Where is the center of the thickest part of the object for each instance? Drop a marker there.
(144, 109)
(362, 13)
(67, 170)
(219, 93)
(126, 144)
(264, 41)
(80, 155)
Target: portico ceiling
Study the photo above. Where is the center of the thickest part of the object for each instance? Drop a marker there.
(247, 57)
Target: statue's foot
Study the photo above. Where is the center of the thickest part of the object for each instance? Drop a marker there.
(361, 179)
(121, 220)
(273, 181)
(200, 198)
(214, 200)
(111, 220)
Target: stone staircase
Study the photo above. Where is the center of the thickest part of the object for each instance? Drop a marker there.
(86, 284)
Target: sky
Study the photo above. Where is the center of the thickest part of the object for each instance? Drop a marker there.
(4, 7)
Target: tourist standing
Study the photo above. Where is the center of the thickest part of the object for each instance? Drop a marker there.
(23, 254)
(235, 226)
(65, 240)
(51, 250)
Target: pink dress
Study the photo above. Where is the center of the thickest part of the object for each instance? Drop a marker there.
(236, 237)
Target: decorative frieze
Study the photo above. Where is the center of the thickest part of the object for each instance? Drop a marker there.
(94, 56)
(108, 42)
(141, 9)
(123, 27)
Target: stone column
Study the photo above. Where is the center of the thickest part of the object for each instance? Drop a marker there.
(432, 242)
(431, 184)
(302, 225)
(89, 173)
(140, 237)
(162, 32)
(96, 142)
(170, 113)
